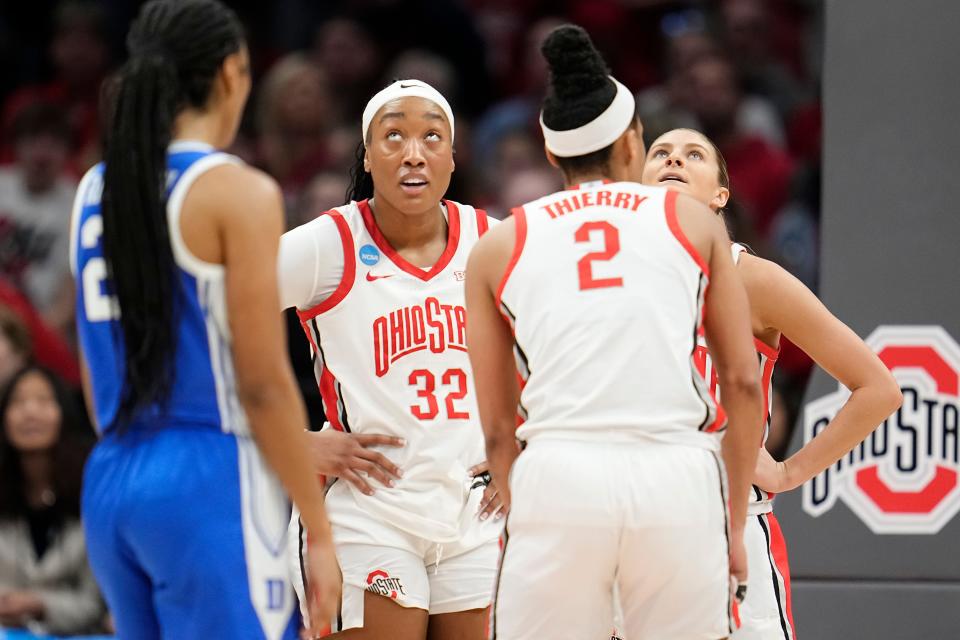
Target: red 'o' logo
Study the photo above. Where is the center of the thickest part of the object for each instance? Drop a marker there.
(381, 583)
(903, 478)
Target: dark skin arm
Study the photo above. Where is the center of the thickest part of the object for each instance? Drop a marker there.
(233, 216)
(494, 370)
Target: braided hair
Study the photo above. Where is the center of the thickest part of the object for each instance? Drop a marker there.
(176, 48)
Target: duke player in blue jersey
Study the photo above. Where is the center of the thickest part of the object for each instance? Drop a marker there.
(174, 249)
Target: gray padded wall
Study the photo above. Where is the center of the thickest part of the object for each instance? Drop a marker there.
(890, 256)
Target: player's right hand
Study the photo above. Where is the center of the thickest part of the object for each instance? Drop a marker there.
(347, 456)
(324, 582)
(770, 475)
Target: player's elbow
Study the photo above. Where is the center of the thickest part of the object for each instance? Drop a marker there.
(260, 394)
(499, 434)
(881, 390)
(890, 395)
(741, 375)
(742, 383)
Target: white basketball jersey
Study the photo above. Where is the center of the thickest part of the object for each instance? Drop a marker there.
(605, 296)
(760, 500)
(391, 357)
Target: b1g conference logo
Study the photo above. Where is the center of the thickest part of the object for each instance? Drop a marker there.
(903, 479)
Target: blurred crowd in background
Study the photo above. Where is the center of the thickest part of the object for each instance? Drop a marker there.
(745, 72)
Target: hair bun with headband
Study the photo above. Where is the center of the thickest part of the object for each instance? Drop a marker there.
(405, 89)
(586, 109)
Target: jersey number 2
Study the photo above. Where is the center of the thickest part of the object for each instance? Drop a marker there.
(611, 247)
(98, 306)
(428, 392)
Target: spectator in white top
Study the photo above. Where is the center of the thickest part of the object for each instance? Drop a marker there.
(36, 196)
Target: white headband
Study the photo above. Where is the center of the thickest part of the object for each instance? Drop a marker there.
(404, 89)
(600, 132)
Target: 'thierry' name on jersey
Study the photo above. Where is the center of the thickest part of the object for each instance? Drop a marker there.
(605, 296)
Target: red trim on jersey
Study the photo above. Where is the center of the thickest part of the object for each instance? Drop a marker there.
(453, 239)
(778, 550)
(306, 330)
(520, 220)
(762, 347)
(522, 384)
(349, 271)
(720, 420)
(766, 378)
(670, 209)
(326, 385)
(328, 391)
(483, 223)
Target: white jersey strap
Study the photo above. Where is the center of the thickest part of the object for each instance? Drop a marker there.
(185, 258)
(735, 250)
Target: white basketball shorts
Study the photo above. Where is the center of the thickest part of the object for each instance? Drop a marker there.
(376, 556)
(649, 517)
(765, 613)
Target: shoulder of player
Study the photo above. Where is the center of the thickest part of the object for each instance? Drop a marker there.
(465, 209)
(691, 210)
(238, 189)
(323, 224)
(89, 177)
(703, 228)
(501, 233)
(760, 276)
(495, 246)
(772, 290)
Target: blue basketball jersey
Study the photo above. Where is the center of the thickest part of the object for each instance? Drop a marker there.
(204, 388)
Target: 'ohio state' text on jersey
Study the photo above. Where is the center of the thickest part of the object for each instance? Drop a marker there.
(390, 357)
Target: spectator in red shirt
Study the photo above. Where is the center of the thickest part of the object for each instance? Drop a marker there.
(36, 197)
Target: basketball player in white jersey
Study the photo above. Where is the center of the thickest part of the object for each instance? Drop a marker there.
(594, 296)
(379, 287)
(690, 163)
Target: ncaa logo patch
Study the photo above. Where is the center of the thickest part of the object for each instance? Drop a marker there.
(903, 479)
(369, 255)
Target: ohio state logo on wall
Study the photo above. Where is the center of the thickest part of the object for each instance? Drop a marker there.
(903, 479)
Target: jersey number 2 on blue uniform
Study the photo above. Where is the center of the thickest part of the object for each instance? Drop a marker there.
(98, 306)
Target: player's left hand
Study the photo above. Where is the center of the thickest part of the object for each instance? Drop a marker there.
(738, 564)
(492, 503)
(769, 474)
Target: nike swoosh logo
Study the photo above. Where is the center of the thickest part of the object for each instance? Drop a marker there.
(371, 277)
